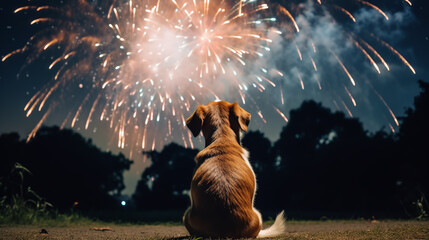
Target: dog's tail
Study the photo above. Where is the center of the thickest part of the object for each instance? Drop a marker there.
(278, 227)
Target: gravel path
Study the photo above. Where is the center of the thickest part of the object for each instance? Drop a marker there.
(295, 230)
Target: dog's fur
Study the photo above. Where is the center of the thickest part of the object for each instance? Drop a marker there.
(223, 186)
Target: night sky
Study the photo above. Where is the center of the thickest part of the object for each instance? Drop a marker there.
(407, 31)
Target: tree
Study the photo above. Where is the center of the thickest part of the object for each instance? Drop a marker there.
(67, 169)
(413, 140)
(262, 158)
(329, 163)
(165, 184)
(11, 178)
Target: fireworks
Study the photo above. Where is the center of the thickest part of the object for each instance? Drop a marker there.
(143, 64)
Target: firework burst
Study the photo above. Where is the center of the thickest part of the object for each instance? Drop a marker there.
(145, 63)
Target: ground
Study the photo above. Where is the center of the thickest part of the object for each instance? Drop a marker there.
(296, 230)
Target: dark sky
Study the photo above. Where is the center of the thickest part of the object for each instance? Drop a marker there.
(407, 31)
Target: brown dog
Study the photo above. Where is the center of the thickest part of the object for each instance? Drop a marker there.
(223, 186)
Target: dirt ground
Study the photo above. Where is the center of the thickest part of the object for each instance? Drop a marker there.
(295, 230)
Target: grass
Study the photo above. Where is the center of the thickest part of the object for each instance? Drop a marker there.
(28, 216)
(19, 212)
(16, 210)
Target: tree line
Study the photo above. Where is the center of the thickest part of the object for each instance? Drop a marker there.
(62, 168)
(323, 164)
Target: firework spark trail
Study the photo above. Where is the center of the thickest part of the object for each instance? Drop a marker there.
(350, 95)
(374, 7)
(79, 110)
(391, 128)
(281, 96)
(39, 124)
(366, 54)
(41, 20)
(88, 120)
(346, 12)
(190, 139)
(344, 68)
(52, 42)
(11, 54)
(347, 109)
(405, 61)
(31, 100)
(376, 53)
(298, 51)
(287, 13)
(318, 84)
(281, 114)
(262, 116)
(336, 105)
(313, 62)
(301, 81)
(409, 2)
(24, 8)
(47, 95)
(151, 61)
(384, 102)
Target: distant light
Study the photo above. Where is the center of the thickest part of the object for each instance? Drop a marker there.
(123, 203)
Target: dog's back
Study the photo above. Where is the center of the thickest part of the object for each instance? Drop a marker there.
(222, 192)
(223, 186)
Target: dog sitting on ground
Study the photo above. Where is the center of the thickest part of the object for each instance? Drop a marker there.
(223, 186)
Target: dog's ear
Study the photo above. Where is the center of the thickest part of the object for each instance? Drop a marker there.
(239, 116)
(195, 121)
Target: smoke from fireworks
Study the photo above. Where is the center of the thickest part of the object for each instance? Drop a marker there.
(145, 64)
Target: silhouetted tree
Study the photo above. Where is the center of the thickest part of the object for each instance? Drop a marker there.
(262, 158)
(165, 184)
(67, 169)
(361, 174)
(11, 149)
(329, 163)
(413, 141)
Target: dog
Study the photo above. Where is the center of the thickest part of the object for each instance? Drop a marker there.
(223, 185)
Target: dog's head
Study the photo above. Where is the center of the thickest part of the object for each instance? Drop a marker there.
(218, 115)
